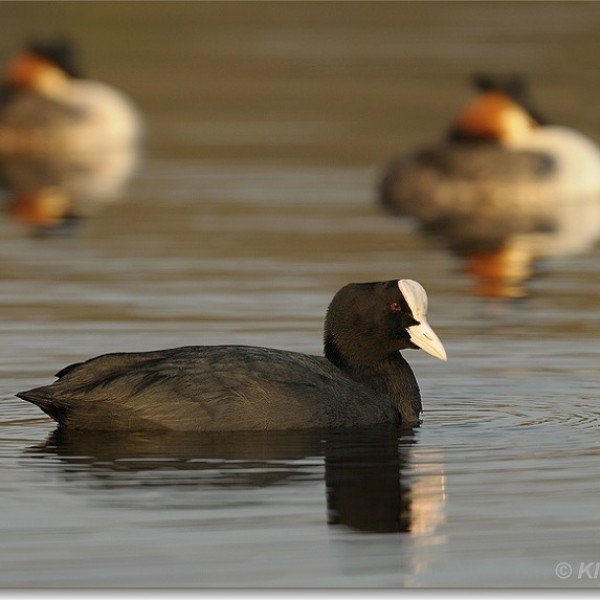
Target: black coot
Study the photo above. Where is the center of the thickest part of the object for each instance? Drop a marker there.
(362, 379)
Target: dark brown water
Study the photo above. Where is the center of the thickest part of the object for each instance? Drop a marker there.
(268, 124)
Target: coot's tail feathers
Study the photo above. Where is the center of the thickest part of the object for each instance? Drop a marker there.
(43, 397)
(64, 371)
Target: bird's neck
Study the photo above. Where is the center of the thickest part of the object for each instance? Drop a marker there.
(389, 375)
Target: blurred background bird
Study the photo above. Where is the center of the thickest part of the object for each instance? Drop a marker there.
(66, 142)
(503, 188)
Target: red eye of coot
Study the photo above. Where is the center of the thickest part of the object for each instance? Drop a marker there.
(395, 306)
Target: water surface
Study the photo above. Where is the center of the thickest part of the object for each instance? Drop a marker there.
(268, 125)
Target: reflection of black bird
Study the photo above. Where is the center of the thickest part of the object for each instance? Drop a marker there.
(362, 379)
(366, 487)
(502, 172)
(231, 459)
(63, 139)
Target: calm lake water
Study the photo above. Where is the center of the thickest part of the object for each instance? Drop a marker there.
(268, 125)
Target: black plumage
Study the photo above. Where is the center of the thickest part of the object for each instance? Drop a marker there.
(362, 379)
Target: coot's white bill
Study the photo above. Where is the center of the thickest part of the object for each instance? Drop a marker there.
(421, 335)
